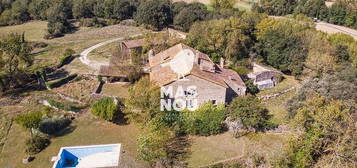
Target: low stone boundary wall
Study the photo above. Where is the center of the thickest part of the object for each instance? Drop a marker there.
(267, 97)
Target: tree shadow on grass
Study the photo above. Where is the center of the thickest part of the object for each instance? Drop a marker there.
(120, 119)
(179, 150)
(65, 131)
(57, 75)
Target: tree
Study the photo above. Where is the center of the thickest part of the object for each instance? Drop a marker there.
(250, 112)
(328, 131)
(178, 6)
(276, 7)
(221, 38)
(29, 120)
(206, 120)
(83, 8)
(19, 12)
(188, 15)
(36, 144)
(321, 57)
(143, 102)
(340, 85)
(15, 59)
(281, 44)
(38, 9)
(57, 19)
(338, 12)
(312, 8)
(153, 142)
(251, 88)
(156, 13)
(119, 9)
(106, 108)
(223, 4)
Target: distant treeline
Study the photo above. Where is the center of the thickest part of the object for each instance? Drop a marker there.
(342, 12)
(156, 14)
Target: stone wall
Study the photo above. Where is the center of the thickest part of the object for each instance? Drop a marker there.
(206, 90)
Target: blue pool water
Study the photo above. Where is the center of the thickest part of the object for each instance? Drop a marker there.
(71, 156)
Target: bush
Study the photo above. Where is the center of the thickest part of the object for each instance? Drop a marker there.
(207, 120)
(106, 108)
(251, 88)
(250, 112)
(36, 144)
(64, 107)
(29, 120)
(61, 82)
(52, 125)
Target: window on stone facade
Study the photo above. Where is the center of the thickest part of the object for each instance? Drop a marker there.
(214, 102)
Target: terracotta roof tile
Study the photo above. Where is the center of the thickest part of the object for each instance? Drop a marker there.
(134, 43)
(164, 75)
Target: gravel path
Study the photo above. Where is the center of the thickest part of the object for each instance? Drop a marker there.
(95, 64)
(331, 29)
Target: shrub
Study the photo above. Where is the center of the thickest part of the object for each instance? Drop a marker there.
(207, 120)
(61, 82)
(106, 108)
(64, 107)
(29, 120)
(250, 112)
(36, 144)
(53, 125)
(251, 88)
(241, 70)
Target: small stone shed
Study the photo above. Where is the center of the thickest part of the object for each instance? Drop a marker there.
(264, 77)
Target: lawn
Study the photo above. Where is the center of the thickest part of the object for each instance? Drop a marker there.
(116, 89)
(34, 30)
(212, 149)
(103, 54)
(277, 105)
(86, 131)
(79, 40)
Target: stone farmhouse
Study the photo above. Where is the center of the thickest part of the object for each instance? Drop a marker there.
(264, 78)
(213, 82)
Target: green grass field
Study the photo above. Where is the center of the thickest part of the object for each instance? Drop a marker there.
(34, 30)
(277, 106)
(81, 39)
(212, 149)
(87, 131)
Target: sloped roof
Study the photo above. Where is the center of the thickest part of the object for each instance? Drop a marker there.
(134, 43)
(170, 53)
(164, 75)
(258, 69)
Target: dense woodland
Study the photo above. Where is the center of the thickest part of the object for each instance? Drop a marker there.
(323, 112)
(342, 12)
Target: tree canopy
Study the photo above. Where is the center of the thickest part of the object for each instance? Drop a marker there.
(221, 38)
(156, 13)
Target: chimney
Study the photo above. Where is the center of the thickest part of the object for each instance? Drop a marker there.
(222, 62)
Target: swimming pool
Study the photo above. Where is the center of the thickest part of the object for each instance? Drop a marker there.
(88, 156)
